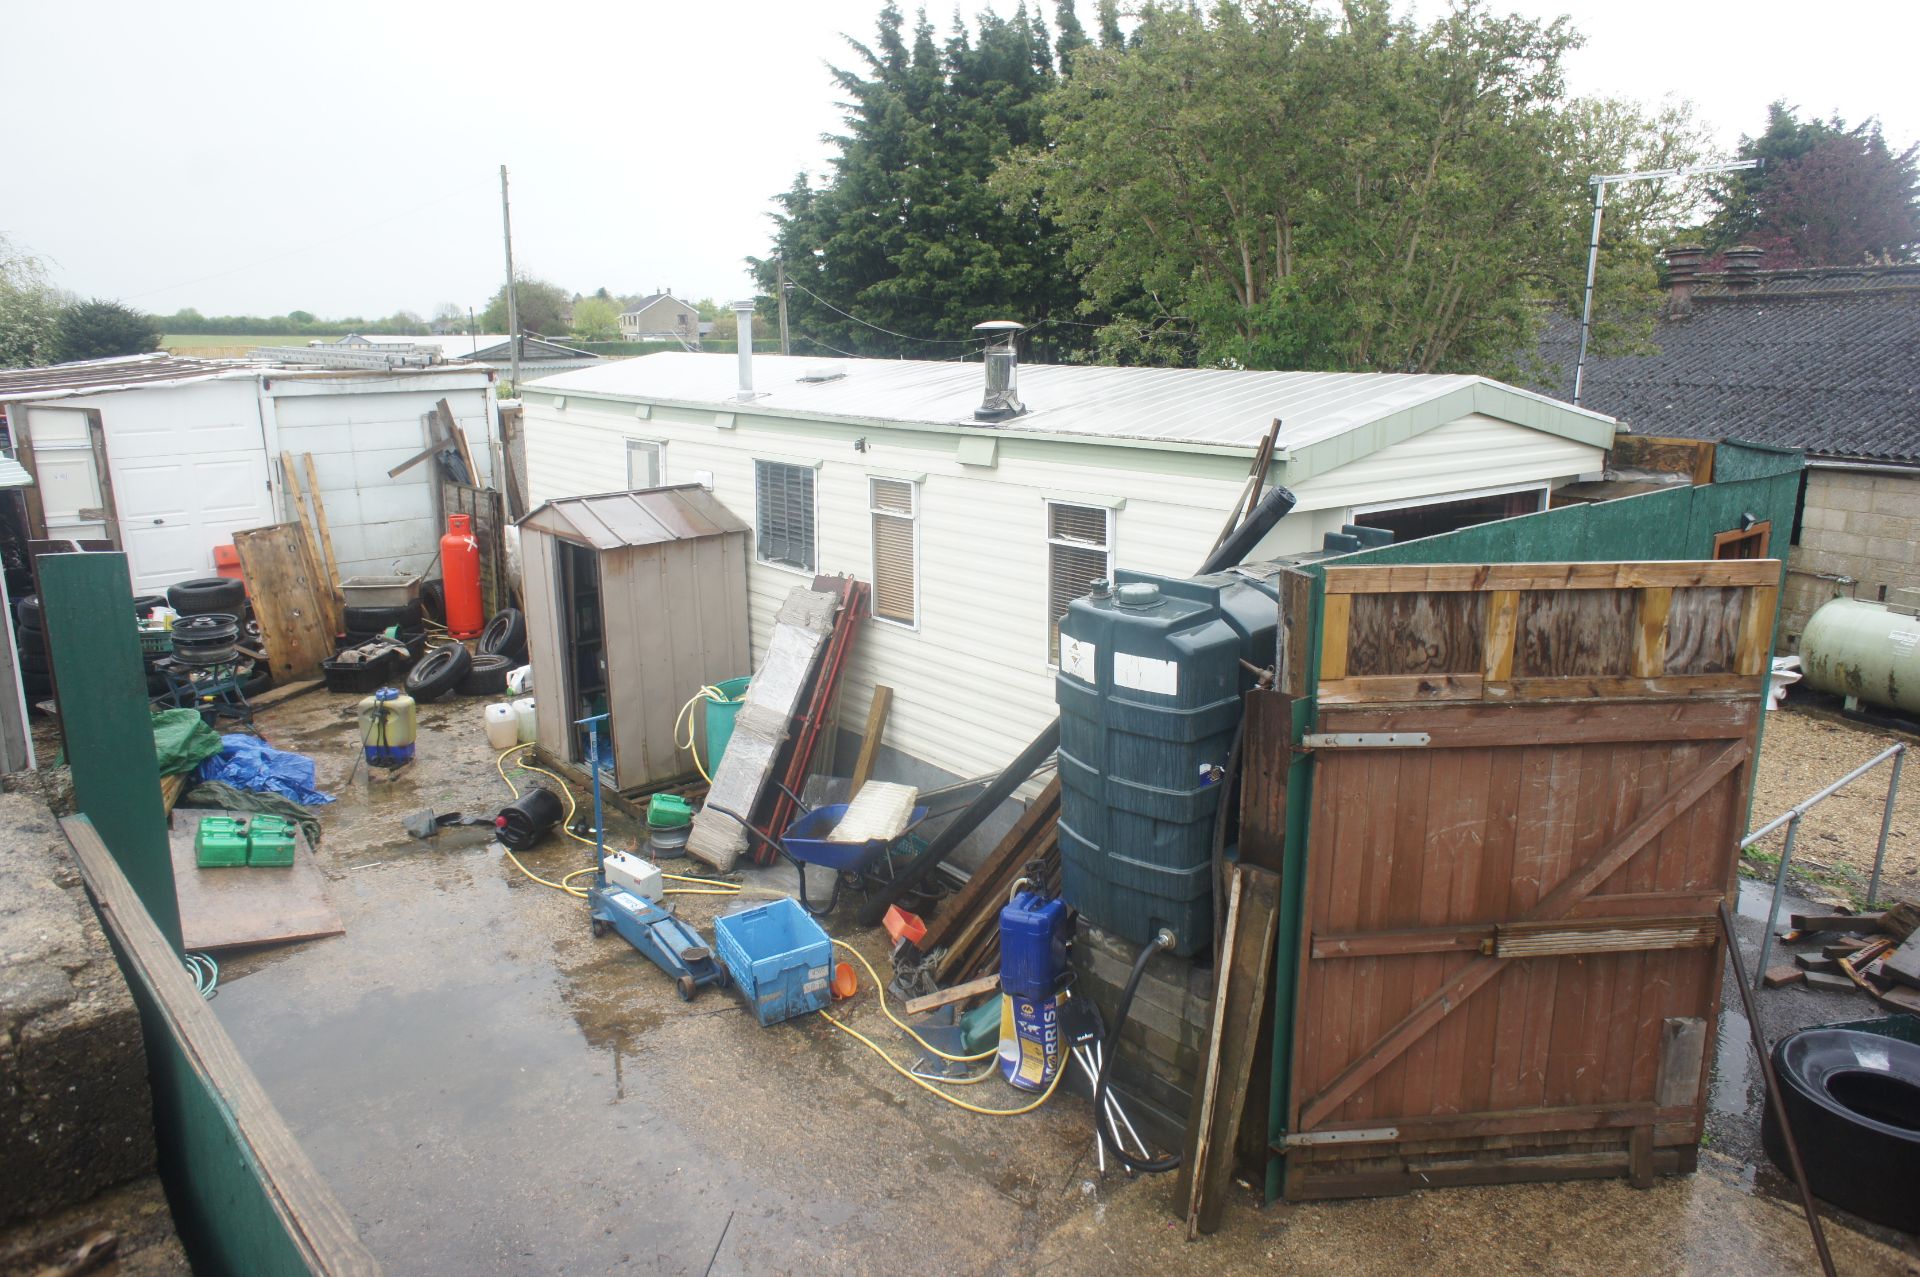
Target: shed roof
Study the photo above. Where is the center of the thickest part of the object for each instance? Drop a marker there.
(652, 516)
(1196, 407)
(1822, 359)
(13, 474)
(160, 371)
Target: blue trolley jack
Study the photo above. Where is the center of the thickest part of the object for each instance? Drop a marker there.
(628, 902)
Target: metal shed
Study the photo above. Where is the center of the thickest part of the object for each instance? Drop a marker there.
(634, 601)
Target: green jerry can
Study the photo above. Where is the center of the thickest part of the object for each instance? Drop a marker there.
(270, 841)
(220, 842)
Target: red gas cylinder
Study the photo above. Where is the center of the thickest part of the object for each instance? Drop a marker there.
(460, 572)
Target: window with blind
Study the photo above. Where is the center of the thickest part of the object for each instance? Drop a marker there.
(783, 514)
(1079, 551)
(643, 465)
(896, 550)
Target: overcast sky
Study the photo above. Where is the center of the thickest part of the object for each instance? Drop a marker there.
(343, 158)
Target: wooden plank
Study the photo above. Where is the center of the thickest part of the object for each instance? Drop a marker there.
(1621, 688)
(1430, 687)
(293, 622)
(1401, 578)
(1574, 634)
(877, 712)
(1554, 904)
(451, 428)
(310, 546)
(1703, 630)
(1857, 923)
(1400, 942)
(316, 1225)
(1602, 935)
(1665, 455)
(283, 692)
(1464, 726)
(1755, 644)
(1903, 964)
(1650, 632)
(1296, 632)
(968, 911)
(244, 905)
(1500, 1123)
(1239, 1001)
(1414, 633)
(958, 993)
(1503, 617)
(1336, 613)
(1776, 977)
(1267, 758)
(331, 564)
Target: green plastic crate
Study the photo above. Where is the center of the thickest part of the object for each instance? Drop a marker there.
(221, 841)
(270, 841)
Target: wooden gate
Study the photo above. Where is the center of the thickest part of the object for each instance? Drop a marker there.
(1529, 785)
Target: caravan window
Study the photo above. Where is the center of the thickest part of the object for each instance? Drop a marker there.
(1079, 551)
(893, 506)
(643, 465)
(783, 514)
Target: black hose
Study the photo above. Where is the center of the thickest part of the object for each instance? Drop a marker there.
(1109, 1047)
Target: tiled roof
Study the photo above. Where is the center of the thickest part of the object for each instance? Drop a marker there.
(1824, 360)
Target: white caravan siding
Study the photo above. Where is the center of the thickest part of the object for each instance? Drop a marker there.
(971, 682)
(357, 431)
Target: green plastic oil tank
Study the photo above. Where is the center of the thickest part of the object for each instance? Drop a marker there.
(720, 716)
(1149, 689)
(1864, 650)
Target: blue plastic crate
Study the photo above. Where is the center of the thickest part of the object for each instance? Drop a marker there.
(779, 957)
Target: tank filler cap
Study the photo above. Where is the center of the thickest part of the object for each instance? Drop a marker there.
(387, 694)
(1100, 588)
(1138, 594)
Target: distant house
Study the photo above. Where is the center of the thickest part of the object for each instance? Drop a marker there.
(538, 356)
(1826, 360)
(662, 317)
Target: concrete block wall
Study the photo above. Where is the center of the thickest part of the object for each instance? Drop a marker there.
(1861, 526)
(1165, 1036)
(76, 1114)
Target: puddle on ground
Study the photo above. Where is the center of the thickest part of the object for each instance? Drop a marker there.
(1732, 1064)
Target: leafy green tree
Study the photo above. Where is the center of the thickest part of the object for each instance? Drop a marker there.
(596, 319)
(29, 310)
(1280, 186)
(300, 316)
(543, 307)
(906, 235)
(102, 329)
(1826, 194)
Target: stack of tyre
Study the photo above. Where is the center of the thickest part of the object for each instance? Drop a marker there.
(452, 668)
(215, 616)
(36, 659)
(363, 623)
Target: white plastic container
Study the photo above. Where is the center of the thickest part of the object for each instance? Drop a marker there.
(523, 714)
(503, 726)
(520, 681)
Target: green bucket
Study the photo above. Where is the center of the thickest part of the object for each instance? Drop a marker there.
(720, 716)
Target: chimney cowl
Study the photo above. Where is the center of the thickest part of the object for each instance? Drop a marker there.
(1683, 272)
(1742, 267)
(1002, 398)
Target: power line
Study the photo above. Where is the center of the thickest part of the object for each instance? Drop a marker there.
(931, 341)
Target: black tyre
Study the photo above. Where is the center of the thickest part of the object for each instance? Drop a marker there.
(505, 635)
(379, 619)
(487, 677)
(439, 672)
(35, 663)
(143, 604)
(31, 641)
(27, 611)
(1854, 1101)
(207, 594)
(433, 600)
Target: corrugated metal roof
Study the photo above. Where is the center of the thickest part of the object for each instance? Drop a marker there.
(106, 374)
(1176, 405)
(613, 520)
(13, 474)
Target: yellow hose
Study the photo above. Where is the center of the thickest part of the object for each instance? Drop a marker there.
(685, 718)
(881, 988)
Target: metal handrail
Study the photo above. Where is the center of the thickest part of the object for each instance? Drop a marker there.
(1791, 819)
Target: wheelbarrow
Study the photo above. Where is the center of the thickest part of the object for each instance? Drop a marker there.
(858, 864)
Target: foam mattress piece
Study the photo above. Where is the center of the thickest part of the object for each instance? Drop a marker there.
(880, 812)
(765, 720)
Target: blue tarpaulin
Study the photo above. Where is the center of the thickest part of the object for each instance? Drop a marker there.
(247, 762)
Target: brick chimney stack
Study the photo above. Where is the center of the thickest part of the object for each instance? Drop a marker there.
(1683, 272)
(1743, 267)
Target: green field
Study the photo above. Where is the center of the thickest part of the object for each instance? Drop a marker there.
(191, 341)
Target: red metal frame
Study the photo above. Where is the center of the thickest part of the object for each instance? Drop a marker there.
(796, 760)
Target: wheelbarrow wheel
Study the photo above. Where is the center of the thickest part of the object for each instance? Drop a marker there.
(686, 987)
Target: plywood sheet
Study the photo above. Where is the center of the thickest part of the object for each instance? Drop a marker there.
(286, 599)
(228, 908)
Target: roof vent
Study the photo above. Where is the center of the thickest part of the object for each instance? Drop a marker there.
(1002, 398)
(825, 372)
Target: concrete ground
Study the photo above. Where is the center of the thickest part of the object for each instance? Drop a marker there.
(490, 1090)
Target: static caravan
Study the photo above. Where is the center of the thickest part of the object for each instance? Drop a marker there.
(977, 534)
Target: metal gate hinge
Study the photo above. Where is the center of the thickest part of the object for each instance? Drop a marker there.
(1372, 1135)
(1366, 740)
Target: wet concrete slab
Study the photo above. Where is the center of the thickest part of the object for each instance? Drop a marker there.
(490, 1089)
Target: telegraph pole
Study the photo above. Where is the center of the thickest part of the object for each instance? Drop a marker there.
(780, 293)
(1600, 183)
(513, 305)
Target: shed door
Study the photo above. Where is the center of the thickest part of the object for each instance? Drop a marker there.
(66, 454)
(1529, 783)
(187, 476)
